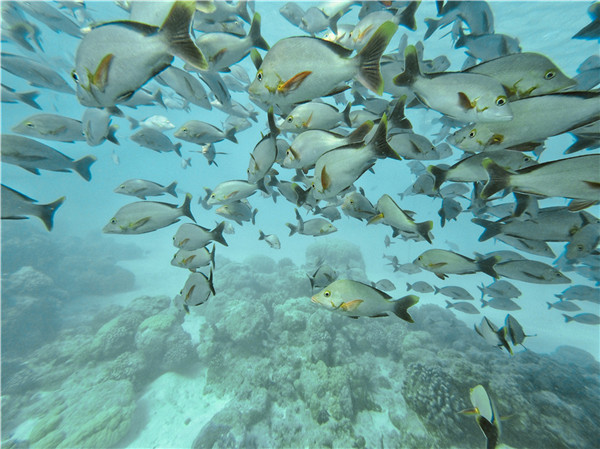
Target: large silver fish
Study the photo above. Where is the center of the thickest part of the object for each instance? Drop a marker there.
(51, 127)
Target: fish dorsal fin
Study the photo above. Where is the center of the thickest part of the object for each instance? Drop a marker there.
(336, 48)
(351, 305)
(294, 82)
(325, 178)
(100, 77)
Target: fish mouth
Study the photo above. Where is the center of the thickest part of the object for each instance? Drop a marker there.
(313, 300)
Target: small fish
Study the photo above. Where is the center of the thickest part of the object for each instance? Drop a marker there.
(384, 284)
(450, 210)
(238, 211)
(234, 190)
(487, 416)
(584, 241)
(97, 128)
(391, 214)
(484, 47)
(315, 115)
(191, 236)
(34, 156)
(500, 289)
(454, 292)
(51, 127)
(186, 85)
(490, 333)
(566, 306)
(576, 177)
(298, 69)
(581, 293)
(157, 122)
(462, 306)
(271, 239)
(468, 97)
(477, 15)
(197, 289)
(201, 133)
(9, 95)
(264, 154)
(442, 262)
(500, 304)
(209, 152)
(531, 271)
(387, 241)
(513, 331)
(322, 277)
(142, 188)
(36, 73)
(419, 286)
(357, 205)
(155, 140)
(355, 299)
(592, 29)
(315, 227)
(16, 206)
(583, 318)
(107, 72)
(195, 259)
(147, 216)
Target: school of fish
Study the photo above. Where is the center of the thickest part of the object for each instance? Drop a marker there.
(334, 101)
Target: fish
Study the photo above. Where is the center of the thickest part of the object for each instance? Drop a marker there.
(534, 120)
(195, 259)
(419, 286)
(467, 97)
(271, 239)
(450, 210)
(484, 47)
(576, 177)
(191, 236)
(477, 15)
(17, 206)
(51, 127)
(107, 72)
(357, 205)
(52, 17)
(531, 271)
(583, 318)
(233, 190)
(238, 211)
(209, 152)
(462, 306)
(592, 29)
(300, 68)
(96, 127)
(454, 292)
(491, 334)
(500, 289)
(34, 156)
(525, 74)
(567, 306)
(186, 85)
(339, 168)
(391, 214)
(513, 331)
(315, 227)
(487, 416)
(500, 304)
(147, 216)
(36, 73)
(384, 284)
(201, 133)
(581, 293)
(442, 262)
(418, 147)
(156, 141)
(142, 188)
(315, 115)
(197, 290)
(9, 95)
(264, 154)
(157, 122)
(223, 50)
(355, 299)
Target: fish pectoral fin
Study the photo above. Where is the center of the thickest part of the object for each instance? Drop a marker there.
(442, 276)
(187, 260)
(351, 305)
(437, 265)
(189, 293)
(306, 124)
(470, 411)
(375, 219)
(140, 222)
(218, 55)
(293, 83)
(464, 101)
(100, 77)
(325, 178)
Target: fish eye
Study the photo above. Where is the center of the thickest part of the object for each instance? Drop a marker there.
(74, 76)
(29, 124)
(113, 221)
(527, 159)
(259, 75)
(290, 119)
(212, 195)
(473, 133)
(549, 75)
(501, 100)
(580, 247)
(327, 294)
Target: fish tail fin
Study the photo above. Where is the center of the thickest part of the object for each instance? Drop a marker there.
(333, 20)
(111, 137)
(170, 189)
(212, 255)
(397, 117)
(491, 228)
(411, 68)
(254, 212)
(449, 304)
(293, 229)
(481, 287)
(302, 196)
(549, 305)
(499, 178)
(439, 175)
(242, 10)
(432, 25)
(210, 282)
(261, 235)
(257, 40)
(424, 229)
(359, 134)
(381, 146)
(567, 317)
(408, 286)
(272, 126)
(407, 17)
(177, 149)
(436, 290)
(487, 266)
(462, 38)
(82, 166)
(484, 303)
(29, 98)
(158, 97)
(47, 211)
(230, 134)
(185, 207)
(369, 74)
(176, 29)
(346, 113)
(217, 234)
(133, 123)
(402, 305)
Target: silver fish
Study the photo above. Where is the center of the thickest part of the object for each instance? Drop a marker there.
(97, 128)
(443, 262)
(142, 188)
(315, 227)
(9, 95)
(202, 133)
(16, 206)
(583, 318)
(315, 115)
(197, 289)
(454, 292)
(186, 85)
(462, 306)
(581, 293)
(238, 211)
(51, 127)
(500, 289)
(500, 304)
(36, 73)
(531, 271)
(155, 140)
(191, 236)
(391, 214)
(566, 306)
(195, 259)
(419, 286)
(271, 239)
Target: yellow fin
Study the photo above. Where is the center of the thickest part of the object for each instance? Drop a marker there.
(101, 74)
(325, 179)
(293, 83)
(140, 222)
(351, 305)
(375, 219)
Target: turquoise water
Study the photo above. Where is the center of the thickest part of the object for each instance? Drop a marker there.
(98, 352)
